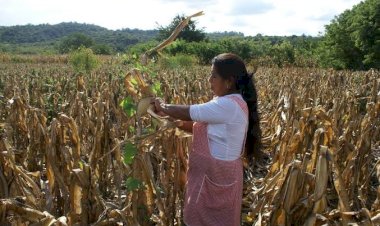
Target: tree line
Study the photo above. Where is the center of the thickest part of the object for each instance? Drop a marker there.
(350, 41)
(46, 38)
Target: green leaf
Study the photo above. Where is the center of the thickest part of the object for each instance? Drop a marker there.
(131, 129)
(145, 69)
(80, 164)
(148, 130)
(133, 184)
(130, 151)
(141, 67)
(157, 89)
(133, 81)
(128, 106)
(152, 73)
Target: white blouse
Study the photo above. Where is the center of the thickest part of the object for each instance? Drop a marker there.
(227, 126)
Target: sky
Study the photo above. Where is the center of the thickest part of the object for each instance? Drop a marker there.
(267, 17)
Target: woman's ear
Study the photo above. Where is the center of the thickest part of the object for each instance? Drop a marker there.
(228, 83)
(231, 83)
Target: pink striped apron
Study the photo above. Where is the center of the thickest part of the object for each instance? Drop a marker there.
(214, 187)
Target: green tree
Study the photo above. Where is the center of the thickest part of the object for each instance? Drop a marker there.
(283, 53)
(142, 47)
(190, 33)
(75, 41)
(83, 61)
(352, 39)
(102, 49)
(239, 46)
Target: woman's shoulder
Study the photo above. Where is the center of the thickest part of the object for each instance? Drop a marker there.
(235, 100)
(227, 99)
(231, 98)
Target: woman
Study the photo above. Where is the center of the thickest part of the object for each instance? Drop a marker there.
(224, 127)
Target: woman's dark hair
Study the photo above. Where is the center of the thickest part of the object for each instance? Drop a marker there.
(231, 67)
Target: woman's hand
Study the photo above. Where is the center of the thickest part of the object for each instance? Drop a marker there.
(181, 112)
(159, 106)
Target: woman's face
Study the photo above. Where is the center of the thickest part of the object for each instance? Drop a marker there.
(219, 86)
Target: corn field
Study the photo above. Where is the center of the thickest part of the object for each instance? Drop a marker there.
(63, 158)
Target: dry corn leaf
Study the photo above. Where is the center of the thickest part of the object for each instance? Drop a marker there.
(142, 106)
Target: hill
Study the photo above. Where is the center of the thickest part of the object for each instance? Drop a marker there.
(47, 36)
(44, 38)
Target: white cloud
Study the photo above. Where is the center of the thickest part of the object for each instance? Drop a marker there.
(248, 7)
(269, 17)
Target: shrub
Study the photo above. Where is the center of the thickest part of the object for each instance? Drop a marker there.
(177, 61)
(83, 60)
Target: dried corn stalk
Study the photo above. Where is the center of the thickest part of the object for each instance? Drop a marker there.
(62, 161)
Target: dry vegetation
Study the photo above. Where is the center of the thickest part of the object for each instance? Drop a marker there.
(63, 140)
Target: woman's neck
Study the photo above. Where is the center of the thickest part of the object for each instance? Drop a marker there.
(231, 92)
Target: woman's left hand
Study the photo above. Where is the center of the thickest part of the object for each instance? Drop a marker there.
(175, 111)
(159, 106)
